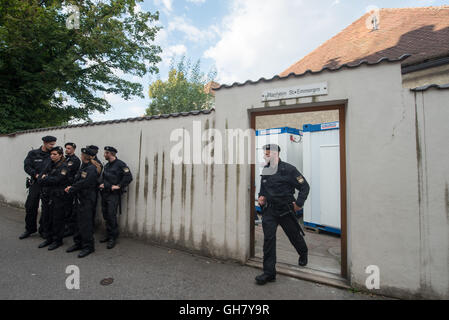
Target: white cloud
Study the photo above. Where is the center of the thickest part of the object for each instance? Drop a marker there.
(172, 51)
(167, 4)
(191, 32)
(196, 1)
(261, 38)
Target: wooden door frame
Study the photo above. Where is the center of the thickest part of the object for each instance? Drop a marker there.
(341, 107)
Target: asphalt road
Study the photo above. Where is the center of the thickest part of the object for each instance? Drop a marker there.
(139, 271)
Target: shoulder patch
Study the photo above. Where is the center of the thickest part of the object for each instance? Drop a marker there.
(70, 163)
(300, 179)
(64, 172)
(83, 174)
(126, 169)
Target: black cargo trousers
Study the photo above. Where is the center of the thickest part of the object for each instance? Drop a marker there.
(53, 214)
(83, 208)
(109, 205)
(272, 217)
(31, 208)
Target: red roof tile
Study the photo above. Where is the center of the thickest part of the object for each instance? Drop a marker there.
(421, 32)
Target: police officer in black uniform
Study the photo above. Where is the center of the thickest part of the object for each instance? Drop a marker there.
(116, 177)
(83, 189)
(278, 183)
(95, 149)
(34, 164)
(53, 183)
(73, 164)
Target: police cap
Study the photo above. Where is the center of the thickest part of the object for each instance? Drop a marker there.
(48, 139)
(88, 151)
(70, 144)
(110, 149)
(94, 148)
(58, 149)
(272, 146)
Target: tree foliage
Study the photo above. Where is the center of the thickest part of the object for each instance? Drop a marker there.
(51, 74)
(183, 90)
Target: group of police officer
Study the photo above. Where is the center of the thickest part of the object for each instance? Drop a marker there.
(68, 190)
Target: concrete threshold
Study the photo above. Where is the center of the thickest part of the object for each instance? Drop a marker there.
(307, 274)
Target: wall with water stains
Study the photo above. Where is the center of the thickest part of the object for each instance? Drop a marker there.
(191, 206)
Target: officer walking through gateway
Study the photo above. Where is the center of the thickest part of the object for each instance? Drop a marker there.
(34, 164)
(116, 176)
(53, 183)
(84, 188)
(73, 165)
(278, 183)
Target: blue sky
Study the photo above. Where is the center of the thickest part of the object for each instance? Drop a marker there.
(244, 39)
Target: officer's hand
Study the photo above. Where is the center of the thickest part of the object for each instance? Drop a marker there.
(115, 188)
(296, 207)
(37, 175)
(67, 189)
(261, 200)
(101, 186)
(43, 176)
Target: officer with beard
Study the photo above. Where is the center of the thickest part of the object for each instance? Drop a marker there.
(34, 164)
(116, 177)
(73, 165)
(83, 189)
(278, 183)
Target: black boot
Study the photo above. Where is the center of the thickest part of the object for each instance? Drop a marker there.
(75, 247)
(106, 239)
(85, 252)
(111, 244)
(55, 245)
(68, 233)
(45, 243)
(303, 260)
(26, 234)
(264, 278)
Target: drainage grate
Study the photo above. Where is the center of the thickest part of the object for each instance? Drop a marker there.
(106, 281)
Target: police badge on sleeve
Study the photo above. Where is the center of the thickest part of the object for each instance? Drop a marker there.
(300, 179)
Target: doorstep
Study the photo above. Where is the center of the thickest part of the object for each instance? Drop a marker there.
(302, 273)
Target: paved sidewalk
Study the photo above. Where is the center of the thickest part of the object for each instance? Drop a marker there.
(139, 270)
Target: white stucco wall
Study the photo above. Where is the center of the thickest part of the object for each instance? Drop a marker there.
(181, 205)
(382, 177)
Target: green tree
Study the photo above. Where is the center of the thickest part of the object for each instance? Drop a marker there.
(183, 91)
(52, 72)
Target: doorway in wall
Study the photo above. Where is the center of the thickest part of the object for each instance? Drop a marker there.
(313, 140)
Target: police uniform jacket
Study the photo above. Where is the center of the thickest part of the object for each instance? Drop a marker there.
(73, 165)
(116, 173)
(56, 180)
(279, 188)
(85, 182)
(36, 162)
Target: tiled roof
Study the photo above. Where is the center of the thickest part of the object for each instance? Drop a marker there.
(208, 87)
(145, 118)
(295, 75)
(422, 32)
(429, 86)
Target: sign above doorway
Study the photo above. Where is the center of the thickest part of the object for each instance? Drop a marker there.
(308, 90)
